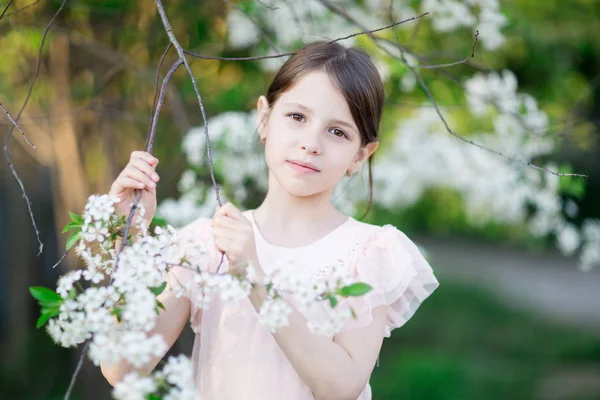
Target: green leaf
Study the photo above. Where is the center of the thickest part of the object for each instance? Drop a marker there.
(72, 240)
(70, 226)
(157, 221)
(158, 289)
(161, 305)
(117, 311)
(51, 311)
(76, 218)
(42, 320)
(152, 396)
(356, 289)
(44, 294)
(332, 300)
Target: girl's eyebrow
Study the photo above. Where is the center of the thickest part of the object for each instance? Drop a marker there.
(308, 110)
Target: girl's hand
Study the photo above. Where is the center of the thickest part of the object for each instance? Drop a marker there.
(234, 236)
(139, 173)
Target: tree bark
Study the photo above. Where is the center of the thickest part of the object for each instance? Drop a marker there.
(68, 171)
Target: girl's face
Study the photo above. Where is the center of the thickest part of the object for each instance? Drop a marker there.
(311, 124)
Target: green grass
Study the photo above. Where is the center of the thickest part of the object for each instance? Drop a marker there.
(462, 344)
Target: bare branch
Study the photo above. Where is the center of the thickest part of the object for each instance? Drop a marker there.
(6, 8)
(161, 98)
(22, 186)
(181, 53)
(16, 125)
(24, 7)
(252, 58)
(9, 134)
(79, 364)
(154, 98)
(150, 142)
(37, 67)
(370, 33)
(454, 63)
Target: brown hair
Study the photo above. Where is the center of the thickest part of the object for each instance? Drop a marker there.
(353, 72)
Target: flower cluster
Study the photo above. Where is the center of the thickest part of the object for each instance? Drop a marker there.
(113, 302)
(174, 382)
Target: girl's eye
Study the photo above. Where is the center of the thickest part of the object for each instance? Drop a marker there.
(297, 117)
(339, 133)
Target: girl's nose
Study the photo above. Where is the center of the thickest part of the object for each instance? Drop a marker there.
(311, 148)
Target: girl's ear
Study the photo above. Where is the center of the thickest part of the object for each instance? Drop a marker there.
(262, 106)
(363, 155)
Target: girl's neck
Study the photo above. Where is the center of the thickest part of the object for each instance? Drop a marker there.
(284, 215)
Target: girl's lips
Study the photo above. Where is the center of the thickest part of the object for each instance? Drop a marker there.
(301, 169)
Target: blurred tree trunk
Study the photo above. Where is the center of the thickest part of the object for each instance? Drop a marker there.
(68, 173)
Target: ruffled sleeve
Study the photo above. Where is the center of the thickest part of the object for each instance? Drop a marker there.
(195, 243)
(399, 274)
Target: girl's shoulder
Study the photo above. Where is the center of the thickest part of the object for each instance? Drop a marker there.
(395, 267)
(377, 236)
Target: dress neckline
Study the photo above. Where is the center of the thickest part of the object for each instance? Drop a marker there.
(262, 239)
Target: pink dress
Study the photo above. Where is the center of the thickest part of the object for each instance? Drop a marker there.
(236, 358)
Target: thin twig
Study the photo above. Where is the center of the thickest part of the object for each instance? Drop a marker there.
(253, 58)
(150, 142)
(454, 63)
(24, 7)
(16, 125)
(155, 96)
(6, 8)
(77, 369)
(16, 120)
(371, 32)
(63, 257)
(181, 53)
(37, 69)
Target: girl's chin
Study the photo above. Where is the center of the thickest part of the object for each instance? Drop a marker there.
(302, 189)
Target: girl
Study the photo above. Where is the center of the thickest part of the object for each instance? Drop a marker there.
(319, 121)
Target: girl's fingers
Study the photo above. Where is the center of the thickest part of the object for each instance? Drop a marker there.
(231, 211)
(126, 182)
(145, 167)
(132, 172)
(225, 222)
(224, 233)
(223, 244)
(145, 156)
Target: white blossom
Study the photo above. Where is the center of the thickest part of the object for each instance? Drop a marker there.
(94, 231)
(568, 239)
(274, 313)
(100, 207)
(65, 282)
(242, 32)
(134, 387)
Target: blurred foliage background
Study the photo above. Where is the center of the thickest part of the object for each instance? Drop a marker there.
(91, 107)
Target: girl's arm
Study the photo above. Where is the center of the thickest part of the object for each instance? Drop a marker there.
(333, 370)
(169, 324)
